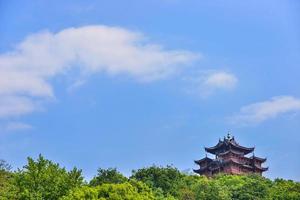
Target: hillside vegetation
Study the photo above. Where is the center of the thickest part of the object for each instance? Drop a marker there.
(42, 179)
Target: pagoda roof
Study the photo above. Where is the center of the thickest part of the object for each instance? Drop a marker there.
(261, 160)
(262, 168)
(258, 158)
(227, 144)
(247, 166)
(197, 171)
(232, 151)
(206, 159)
(256, 167)
(213, 164)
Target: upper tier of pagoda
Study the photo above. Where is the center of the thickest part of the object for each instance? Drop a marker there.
(228, 144)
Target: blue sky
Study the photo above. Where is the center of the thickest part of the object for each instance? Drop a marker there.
(129, 84)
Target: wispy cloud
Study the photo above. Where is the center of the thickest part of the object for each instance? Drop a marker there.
(26, 72)
(16, 105)
(261, 111)
(75, 85)
(208, 83)
(17, 126)
(14, 126)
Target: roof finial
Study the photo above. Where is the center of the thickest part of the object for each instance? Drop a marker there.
(228, 135)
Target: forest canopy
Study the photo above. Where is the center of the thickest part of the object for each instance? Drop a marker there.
(43, 179)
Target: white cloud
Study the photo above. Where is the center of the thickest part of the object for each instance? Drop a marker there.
(207, 83)
(11, 106)
(25, 72)
(262, 111)
(220, 80)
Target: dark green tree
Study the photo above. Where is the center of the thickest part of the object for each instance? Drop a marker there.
(6, 178)
(163, 178)
(110, 175)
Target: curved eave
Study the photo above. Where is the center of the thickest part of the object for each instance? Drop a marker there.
(248, 166)
(265, 168)
(202, 160)
(262, 168)
(244, 149)
(220, 143)
(262, 160)
(210, 150)
(228, 144)
(256, 167)
(199, 171)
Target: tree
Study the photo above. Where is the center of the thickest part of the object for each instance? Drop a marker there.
(245, 187)
(188, 185)
(132, 190)
(164, 178)
(4, 166)
(44, 180)
(6, 177)
(209, 189)
(110, 175)
(285, 190)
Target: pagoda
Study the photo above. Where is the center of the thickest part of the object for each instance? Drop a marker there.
(230, 158)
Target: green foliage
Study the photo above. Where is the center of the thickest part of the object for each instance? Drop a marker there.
(245, 187)
(84, 192)
(194, 187)
(285, 190)
(44, 180)
(4, 166)
(132, 190)
(6, 177)
(164, 178)
(110, 175)
(211, 190)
